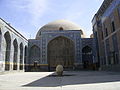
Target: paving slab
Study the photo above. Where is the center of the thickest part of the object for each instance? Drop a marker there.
(72, 80)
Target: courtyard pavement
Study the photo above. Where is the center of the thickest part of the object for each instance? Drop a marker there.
(72, 80)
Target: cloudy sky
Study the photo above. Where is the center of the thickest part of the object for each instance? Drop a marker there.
(27, 16)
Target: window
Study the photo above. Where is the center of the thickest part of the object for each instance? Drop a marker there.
(113, 26)
(60, 28)
(106, 32)
(116, 51)
(40, 33)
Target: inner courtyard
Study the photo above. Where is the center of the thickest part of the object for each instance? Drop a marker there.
(72, 80)
(67, 51)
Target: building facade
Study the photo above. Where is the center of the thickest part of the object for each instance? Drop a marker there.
(61, 42)
(58, 42)
(106, 29)
(13, 48)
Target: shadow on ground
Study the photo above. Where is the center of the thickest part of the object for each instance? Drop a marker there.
(74, 78)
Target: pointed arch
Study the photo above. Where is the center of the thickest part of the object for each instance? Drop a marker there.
(8, 48)
(15, 56)
(60, 50)
(87, 50)
(34, 53)
(61, 28)
(21, 56)
(25, 57)
(87, 57)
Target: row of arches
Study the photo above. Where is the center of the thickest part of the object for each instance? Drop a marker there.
(15, 53)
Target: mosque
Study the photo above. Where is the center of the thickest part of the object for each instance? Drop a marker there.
(64, 42)
(58, 42)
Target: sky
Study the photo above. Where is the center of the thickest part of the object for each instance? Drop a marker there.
(28, 16)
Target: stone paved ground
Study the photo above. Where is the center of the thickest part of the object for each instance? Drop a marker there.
(82, 80)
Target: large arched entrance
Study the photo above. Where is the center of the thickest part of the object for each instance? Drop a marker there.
(60, 51)
(87, 57)
(7, 52)
(34, 56)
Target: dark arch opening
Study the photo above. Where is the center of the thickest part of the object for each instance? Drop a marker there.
(15, 56)
(25, 58)
(60, 51)
(34, 57)
(21, 56)
(34, 53)
(87, 50)
(61, 28)
(87, 57)
(7, 52)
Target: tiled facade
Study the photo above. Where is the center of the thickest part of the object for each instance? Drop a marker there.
(106, 29)
(71, 49)
(46, 36)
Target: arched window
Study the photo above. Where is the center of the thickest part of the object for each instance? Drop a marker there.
(15, 56)
(21, 56)
(34, 53)
(39, 33)
(7, 52)
(61, 28)
(113, 26)
(87, 50)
